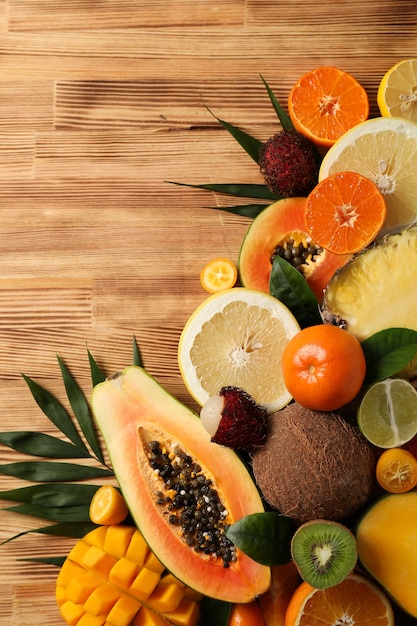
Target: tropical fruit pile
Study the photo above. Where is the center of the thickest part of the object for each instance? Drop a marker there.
(290, 500)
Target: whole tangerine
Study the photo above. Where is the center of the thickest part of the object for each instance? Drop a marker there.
(246, 614)
(324, 367)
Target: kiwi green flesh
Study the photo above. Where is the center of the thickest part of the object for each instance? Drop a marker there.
(324, 553)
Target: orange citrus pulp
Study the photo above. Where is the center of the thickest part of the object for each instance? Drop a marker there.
(325, 103)
(345, 212)
(107, 506)
(356, 600)
(218, 274)
(396, 470)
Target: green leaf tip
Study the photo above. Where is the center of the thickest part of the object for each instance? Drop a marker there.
(251, 145)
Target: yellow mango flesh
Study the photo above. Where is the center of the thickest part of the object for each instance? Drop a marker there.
(387, 547)
(111, 578)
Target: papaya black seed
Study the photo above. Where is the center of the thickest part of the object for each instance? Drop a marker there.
(191, 502)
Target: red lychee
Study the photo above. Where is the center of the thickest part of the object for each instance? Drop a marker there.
(289, 163)
(234, 419)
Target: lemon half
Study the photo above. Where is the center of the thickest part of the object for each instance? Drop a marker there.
(237, 337)
(383, 149)
(397, 91)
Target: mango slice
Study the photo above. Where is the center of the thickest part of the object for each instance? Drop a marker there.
(111, 578)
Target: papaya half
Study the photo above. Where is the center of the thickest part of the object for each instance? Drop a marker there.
(281, 229)
(183, 491)
(386, 537)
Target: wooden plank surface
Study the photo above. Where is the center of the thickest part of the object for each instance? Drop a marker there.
(101, 103)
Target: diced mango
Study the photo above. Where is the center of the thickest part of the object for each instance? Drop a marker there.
(60, 595)
(123, 611)
(92, 620)
(101, 600)
(81, 586)
(144, 583)
(96, 537)
(153, 563)
(71, 612)
(98, 561)
(118, 539)
(67, 572)
(138, 549)
(77, 553)
(165, 598)
(147, 617)
(186, 614)
(123, 573)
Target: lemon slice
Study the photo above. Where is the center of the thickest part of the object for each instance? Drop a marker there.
(387, 414)
(397, 91)
(236, 337)
(384, 150)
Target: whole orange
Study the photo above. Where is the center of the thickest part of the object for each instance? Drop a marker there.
(323, 367)
(246, 614)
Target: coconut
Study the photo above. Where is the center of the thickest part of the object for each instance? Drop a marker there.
(314, 465)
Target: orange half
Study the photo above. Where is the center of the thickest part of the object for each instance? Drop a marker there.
(325, 103)
(356, 600)
(345, 212)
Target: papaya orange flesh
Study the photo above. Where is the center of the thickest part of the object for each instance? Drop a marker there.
(148, 432)
(279, 224)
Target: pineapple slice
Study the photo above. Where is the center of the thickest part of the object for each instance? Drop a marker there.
(376, 289)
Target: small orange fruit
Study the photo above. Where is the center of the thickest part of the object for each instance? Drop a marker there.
(218, 274)
(345, 212)
(323, 367)
(396, 470)
(325, 103)
(246, 614)
(356, 600)
(107, 506)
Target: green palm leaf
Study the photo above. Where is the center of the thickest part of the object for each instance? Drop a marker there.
(55, 411)
(67, 514)
(41, 444)
(242, 190)
(81, 410)
(283, 117)
(137, 358)
(245, 210)
(52, 494)
(47, 471)
(250, 144)
(97, 375)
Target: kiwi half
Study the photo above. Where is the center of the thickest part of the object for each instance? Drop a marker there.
(324, 552)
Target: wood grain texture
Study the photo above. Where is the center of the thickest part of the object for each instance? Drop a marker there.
(102, 103)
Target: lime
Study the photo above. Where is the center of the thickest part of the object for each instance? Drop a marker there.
(387, 414)
(236, 337)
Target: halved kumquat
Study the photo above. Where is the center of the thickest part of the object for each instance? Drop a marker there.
(345, 212)
(218, 274)
(108, 507)
(325, 103)
(396, 470)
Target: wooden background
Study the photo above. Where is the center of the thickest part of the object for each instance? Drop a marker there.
(101, 103)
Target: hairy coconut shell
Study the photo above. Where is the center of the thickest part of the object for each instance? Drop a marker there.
(314, 465)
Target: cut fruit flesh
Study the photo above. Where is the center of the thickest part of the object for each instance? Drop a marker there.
(387, 414)
(384, 150)
(374, 290)
(132, 410)
(283, 224)
(236, 338)
(397, 92)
